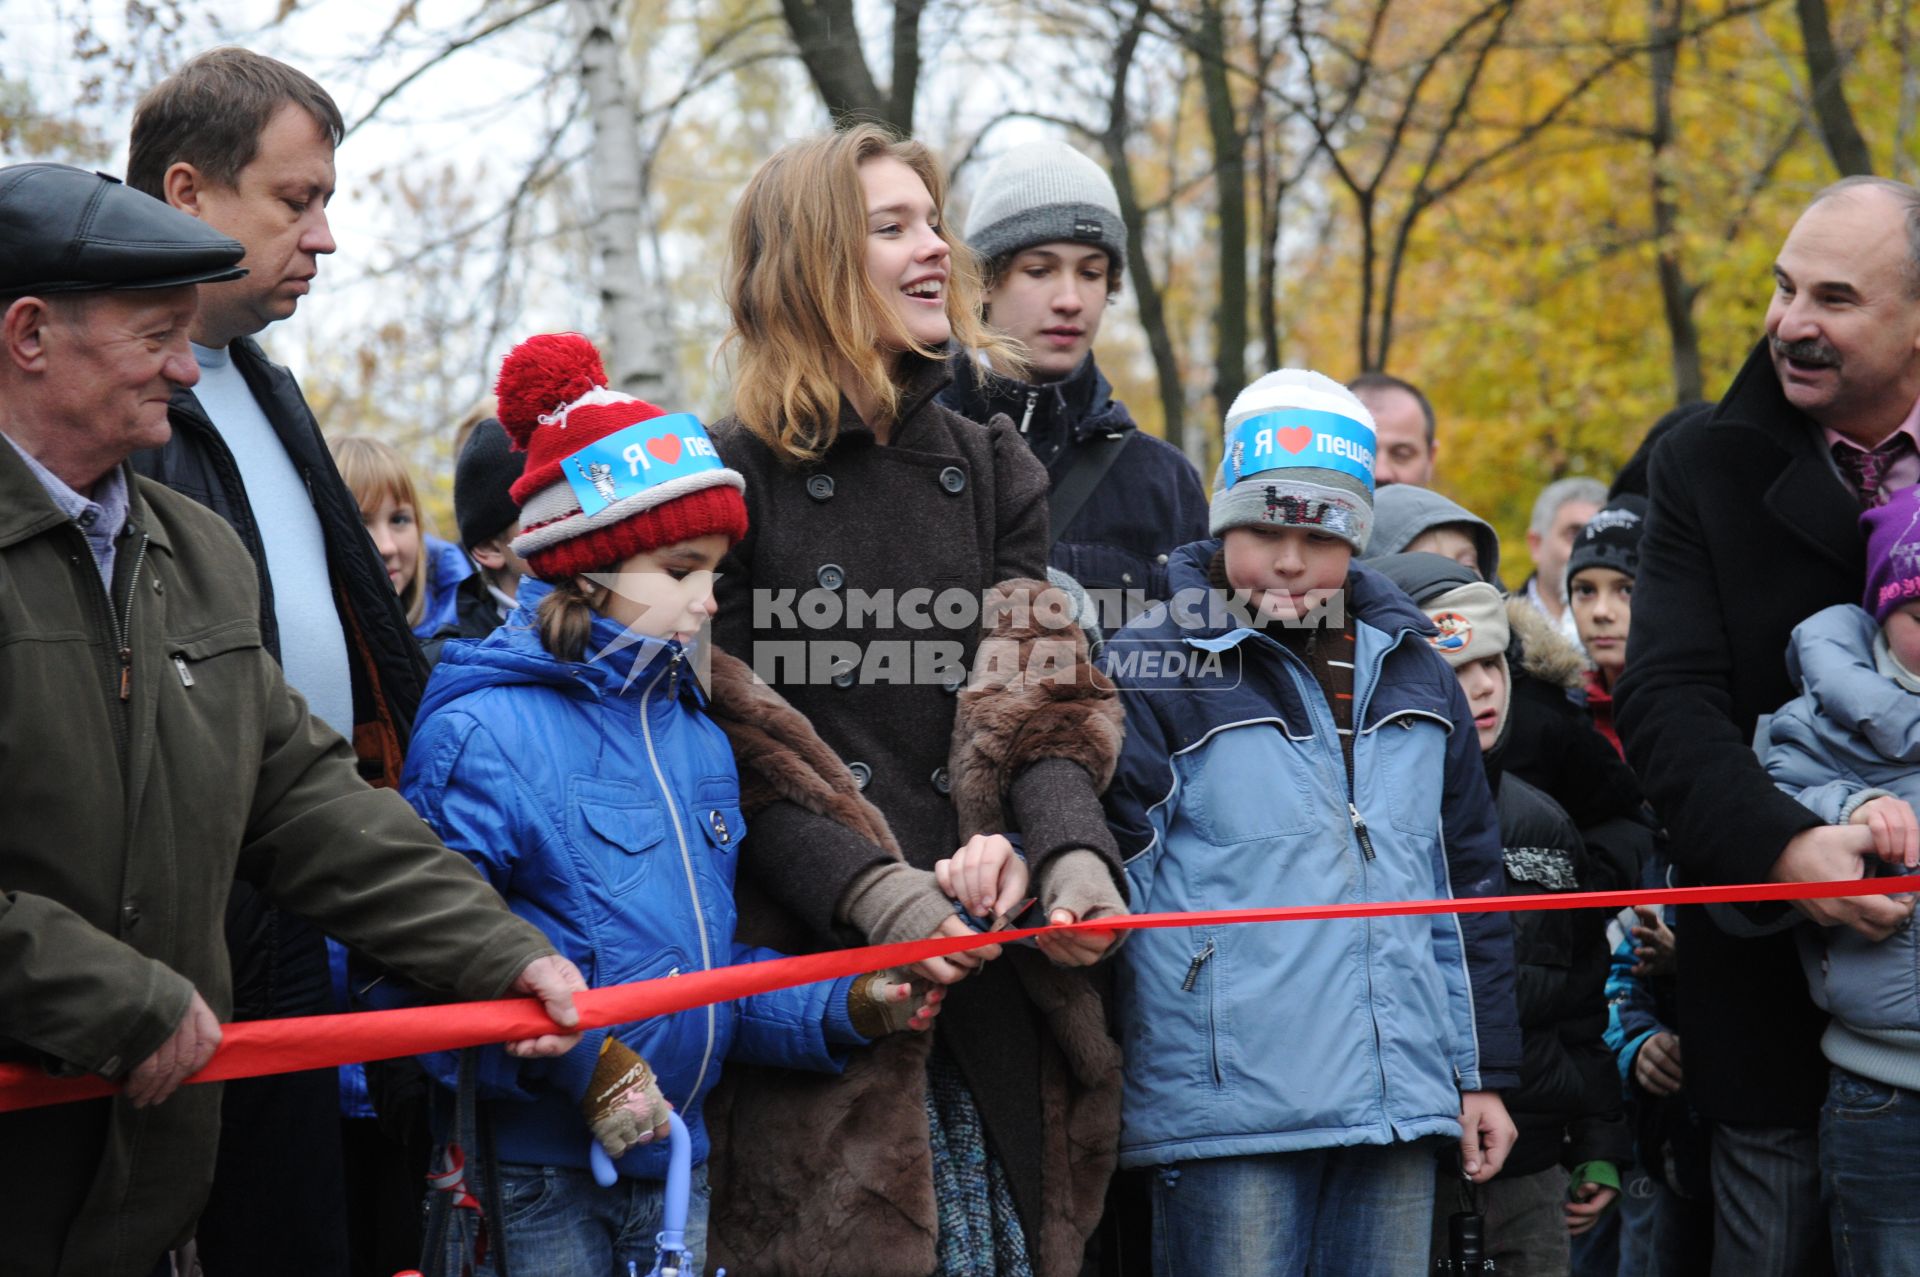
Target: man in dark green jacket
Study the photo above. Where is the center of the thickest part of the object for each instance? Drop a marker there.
(153, 752)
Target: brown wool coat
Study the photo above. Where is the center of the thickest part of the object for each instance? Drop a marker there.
(819, 1174)
(838, 1178)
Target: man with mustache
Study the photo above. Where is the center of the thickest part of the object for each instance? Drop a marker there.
(1753, 526)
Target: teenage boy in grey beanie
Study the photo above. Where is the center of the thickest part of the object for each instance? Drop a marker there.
(1045, 222)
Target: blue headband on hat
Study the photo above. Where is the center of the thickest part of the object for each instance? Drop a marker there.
(644, 455)
(1293, 438)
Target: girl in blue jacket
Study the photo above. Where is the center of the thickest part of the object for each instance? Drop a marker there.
(569, 755)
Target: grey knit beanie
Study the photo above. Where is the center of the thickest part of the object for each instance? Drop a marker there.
(1040, 193)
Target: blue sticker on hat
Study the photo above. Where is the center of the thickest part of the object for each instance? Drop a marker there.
(644, 455)
(1294, 438)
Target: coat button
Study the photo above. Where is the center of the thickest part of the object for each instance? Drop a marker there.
(720, 830)
(157, 587)
(843, 677)
(861, 773)
(940, 780)
(1126, 578)
(953, 480)
(130, 914)
(820, 487)
(956, 685)
(1161, 559)
(831, 576)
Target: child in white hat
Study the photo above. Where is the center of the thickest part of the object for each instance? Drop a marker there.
(1293, 739)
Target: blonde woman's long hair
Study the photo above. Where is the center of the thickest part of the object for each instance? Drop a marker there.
(372, 470)
(804, 310)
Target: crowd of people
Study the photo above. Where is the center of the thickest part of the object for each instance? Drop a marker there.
(924, 638)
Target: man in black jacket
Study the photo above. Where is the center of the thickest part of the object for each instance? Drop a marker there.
(245, 144)
(1047, 223)
(1753, 526)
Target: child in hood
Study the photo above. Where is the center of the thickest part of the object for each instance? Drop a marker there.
(1411, 519)
(1848, 748)
(570, 755)
(1564, 1171)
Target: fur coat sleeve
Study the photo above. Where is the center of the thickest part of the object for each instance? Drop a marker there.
(834, 1174)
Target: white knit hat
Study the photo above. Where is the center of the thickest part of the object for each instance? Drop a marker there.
(1041, 193)
(1299, 454)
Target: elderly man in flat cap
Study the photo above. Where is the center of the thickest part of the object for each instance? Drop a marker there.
(153, 752)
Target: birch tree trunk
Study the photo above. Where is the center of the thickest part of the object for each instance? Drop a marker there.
(634, 316)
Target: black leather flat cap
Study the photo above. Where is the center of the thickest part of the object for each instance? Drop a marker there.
(65, 230)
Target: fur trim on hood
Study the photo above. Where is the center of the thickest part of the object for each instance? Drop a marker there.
(1545, 653)
(780, 756)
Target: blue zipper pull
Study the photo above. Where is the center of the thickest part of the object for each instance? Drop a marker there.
(1360, 831)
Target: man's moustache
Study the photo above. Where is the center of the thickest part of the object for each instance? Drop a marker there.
(1807, 352)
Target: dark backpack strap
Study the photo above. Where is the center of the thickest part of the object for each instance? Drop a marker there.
(1095, 458)
(451, 1233)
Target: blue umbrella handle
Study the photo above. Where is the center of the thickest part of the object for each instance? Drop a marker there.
(603, 1172)
(679, 1158)
(673, 1214)
(671, 1255)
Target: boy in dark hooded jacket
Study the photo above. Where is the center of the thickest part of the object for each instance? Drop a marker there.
(1046, 222)
(1564, 1171)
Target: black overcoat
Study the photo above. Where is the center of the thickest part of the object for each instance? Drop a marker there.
(1750, 530)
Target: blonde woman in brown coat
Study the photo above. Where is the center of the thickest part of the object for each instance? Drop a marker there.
(895, 547)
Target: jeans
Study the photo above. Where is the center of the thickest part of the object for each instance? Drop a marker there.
(1526, 1222)
(1363, 1211)
(1870, 1169)
(1768, 1219)
(557, 1220)
(1661, 1233)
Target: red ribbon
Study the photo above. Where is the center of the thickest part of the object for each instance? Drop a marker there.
(256, 1048)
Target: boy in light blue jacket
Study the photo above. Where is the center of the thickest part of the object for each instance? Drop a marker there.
(1848, 747)
(1293, 739)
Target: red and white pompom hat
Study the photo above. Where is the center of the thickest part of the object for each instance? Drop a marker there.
(556, 407)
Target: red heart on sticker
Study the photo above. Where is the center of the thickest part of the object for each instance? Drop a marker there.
(1294, 438)
(667, 448)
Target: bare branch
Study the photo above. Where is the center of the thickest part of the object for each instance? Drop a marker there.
(445, 52)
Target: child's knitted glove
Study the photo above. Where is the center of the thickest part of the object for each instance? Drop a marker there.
(884, 1002)
(623, 1104)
